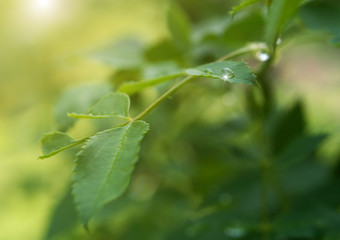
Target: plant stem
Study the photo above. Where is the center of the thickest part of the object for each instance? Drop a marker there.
(253, 47)
(163, 97)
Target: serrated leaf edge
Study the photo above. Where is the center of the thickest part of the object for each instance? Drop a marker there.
(84, 147)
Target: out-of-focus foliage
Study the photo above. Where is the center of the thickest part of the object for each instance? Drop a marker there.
(219, 161)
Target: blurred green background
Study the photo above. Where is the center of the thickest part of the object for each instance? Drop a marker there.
(43, 47)
(43, 50)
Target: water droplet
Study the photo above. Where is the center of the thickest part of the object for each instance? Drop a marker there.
(262, 56)
(234, 232)
(90, 114)
(278, 41)
(227, 74)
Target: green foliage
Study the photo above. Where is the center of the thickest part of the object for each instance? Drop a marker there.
(64, 217)
(77, 99)
(179, 27)
(280, 12)
(233, 72)
(104, 165)
(55, 142)
(205, 171)
(323, 17)
(109, 106)
(289, 126)
(243, 5)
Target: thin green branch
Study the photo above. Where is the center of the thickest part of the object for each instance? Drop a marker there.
(253, 47)
(75, 143)
(163, 97)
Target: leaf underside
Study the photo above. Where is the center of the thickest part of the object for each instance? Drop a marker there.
(104, 165)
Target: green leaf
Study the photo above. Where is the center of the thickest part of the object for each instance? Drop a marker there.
(243, 5)
(299, 150)
(104, 165)
(290, 125)
(109, 106)
(123, 75)
(77, 99)
(125, 54)
(210, 27)
(63, 219)
(280, 12)
(324, 17)
(179, 26)
(55, 142)
(233, 72)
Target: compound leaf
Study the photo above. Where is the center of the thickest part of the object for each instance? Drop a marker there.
(104, 165)
(111, 105)
(233, 72)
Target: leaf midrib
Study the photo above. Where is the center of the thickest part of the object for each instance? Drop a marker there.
(121, 142)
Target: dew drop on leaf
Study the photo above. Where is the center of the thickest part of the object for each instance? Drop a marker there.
(227, 74)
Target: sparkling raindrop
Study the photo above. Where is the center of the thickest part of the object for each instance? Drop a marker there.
(278, 41)
(262, 56)
(227, 74)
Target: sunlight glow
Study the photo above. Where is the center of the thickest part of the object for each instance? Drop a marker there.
(44, 7)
